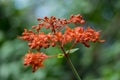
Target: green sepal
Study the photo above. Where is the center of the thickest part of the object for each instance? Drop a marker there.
(60, 55)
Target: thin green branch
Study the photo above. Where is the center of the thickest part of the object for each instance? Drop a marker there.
(70, 63)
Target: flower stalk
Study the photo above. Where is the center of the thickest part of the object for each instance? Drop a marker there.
(71, 65)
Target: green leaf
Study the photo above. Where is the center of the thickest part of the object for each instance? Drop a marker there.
(72, 50)
(60, 55)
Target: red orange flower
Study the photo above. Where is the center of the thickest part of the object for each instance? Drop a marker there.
(37, 39)
(79, 34)
(34, 59)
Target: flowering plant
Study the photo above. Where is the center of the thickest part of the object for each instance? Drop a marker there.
(37, 39)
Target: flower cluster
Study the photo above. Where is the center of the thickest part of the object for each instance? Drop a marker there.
(34, 59)
(79, 34)
(57, 24)
(37, 39)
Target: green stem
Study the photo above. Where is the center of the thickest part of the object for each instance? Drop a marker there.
(71, 65)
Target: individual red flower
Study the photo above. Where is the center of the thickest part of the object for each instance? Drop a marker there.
(76, 19)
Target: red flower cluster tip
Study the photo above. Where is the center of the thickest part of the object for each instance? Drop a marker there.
(37, 39)
(34, 59)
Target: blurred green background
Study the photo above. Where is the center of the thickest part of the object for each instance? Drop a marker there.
(99, 62)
